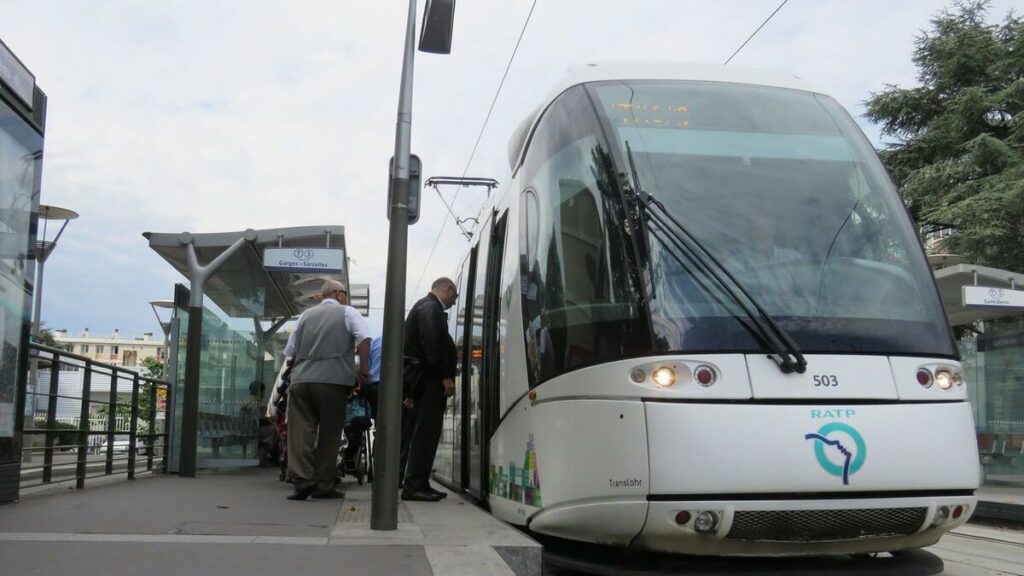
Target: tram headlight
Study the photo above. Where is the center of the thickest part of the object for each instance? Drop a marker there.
(664, 376)
(941, 514)
(638, 375)
(943, 378)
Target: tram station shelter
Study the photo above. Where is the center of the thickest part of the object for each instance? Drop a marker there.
(985, 307)
(244, 286)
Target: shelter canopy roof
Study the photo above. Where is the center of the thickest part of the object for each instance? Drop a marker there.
(241, 287)
(952, 279)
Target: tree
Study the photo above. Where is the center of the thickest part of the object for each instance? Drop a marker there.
(45, 337)
(959, 156)
(154, 367)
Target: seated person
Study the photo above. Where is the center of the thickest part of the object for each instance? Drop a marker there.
(357, 422)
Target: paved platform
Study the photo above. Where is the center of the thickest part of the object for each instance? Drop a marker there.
(240, 522)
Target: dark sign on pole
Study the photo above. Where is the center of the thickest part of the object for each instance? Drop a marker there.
(438, 21)
(415, 170)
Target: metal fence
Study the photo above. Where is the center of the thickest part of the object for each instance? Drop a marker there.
(120, 427)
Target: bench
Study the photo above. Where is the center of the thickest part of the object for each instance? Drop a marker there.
(225, 430)
(1001, 448)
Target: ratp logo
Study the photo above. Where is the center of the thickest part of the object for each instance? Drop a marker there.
(839, 448)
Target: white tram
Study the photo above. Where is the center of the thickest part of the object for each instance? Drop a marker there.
(699, 321)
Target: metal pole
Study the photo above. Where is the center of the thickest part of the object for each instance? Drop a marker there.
(190, 400)
(384, 510)
(39, 297)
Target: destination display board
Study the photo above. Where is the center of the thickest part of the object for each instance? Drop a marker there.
(985, 297)
(304, 259)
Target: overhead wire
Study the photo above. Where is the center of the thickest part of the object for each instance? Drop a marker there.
(754, 33)
(472, 154)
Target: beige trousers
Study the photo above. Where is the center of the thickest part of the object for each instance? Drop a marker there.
(316, 418)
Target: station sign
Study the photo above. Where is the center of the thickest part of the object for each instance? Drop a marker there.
(359, 298)
(985, 297)
(14, 74)
(294, 259)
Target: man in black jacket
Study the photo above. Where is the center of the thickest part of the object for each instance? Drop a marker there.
(432, 351)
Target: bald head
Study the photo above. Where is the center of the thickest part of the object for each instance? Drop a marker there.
(445, 291)
(334, 289)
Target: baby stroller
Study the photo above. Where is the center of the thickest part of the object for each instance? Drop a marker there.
(356, 451)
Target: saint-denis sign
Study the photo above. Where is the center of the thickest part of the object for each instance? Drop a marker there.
(304, 259)
(983, 297)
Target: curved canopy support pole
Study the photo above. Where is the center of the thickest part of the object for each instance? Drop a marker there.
(198, 275)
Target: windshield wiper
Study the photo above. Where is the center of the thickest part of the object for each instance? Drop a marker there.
(784, 351)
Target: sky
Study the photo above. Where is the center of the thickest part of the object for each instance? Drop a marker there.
(221, 115)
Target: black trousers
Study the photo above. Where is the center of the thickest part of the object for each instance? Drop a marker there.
(430, 403)
(408, 424)
(354, 432)
(370, 392)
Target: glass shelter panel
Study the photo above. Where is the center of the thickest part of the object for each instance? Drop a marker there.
(181, 313)
(995, 363)
(20, 171)
(229, 404)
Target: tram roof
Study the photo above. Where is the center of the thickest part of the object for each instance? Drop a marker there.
(635, 71)
(241, 287)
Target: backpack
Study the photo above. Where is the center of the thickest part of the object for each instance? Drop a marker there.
(357, 408)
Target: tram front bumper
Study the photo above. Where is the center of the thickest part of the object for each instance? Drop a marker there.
(801, 527)
(792, 479)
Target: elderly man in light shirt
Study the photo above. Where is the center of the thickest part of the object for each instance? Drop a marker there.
(322, 377)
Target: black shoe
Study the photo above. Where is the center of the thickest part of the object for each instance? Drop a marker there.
(332, 494)
(420, 496)
(440, 495)
(302, 493)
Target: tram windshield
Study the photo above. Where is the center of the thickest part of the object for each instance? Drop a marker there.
(783, 189)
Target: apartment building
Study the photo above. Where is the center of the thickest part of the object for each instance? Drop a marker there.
(114, 348)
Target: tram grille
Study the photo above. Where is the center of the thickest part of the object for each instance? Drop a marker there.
(824, 525)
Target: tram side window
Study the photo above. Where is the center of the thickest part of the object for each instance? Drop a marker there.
(579, 302)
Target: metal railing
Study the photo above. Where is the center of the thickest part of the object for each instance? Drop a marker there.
(118, 412)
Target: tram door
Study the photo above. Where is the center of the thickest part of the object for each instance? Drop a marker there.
(483, 354)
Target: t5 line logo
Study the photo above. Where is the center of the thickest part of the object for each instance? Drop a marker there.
(839, 448)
